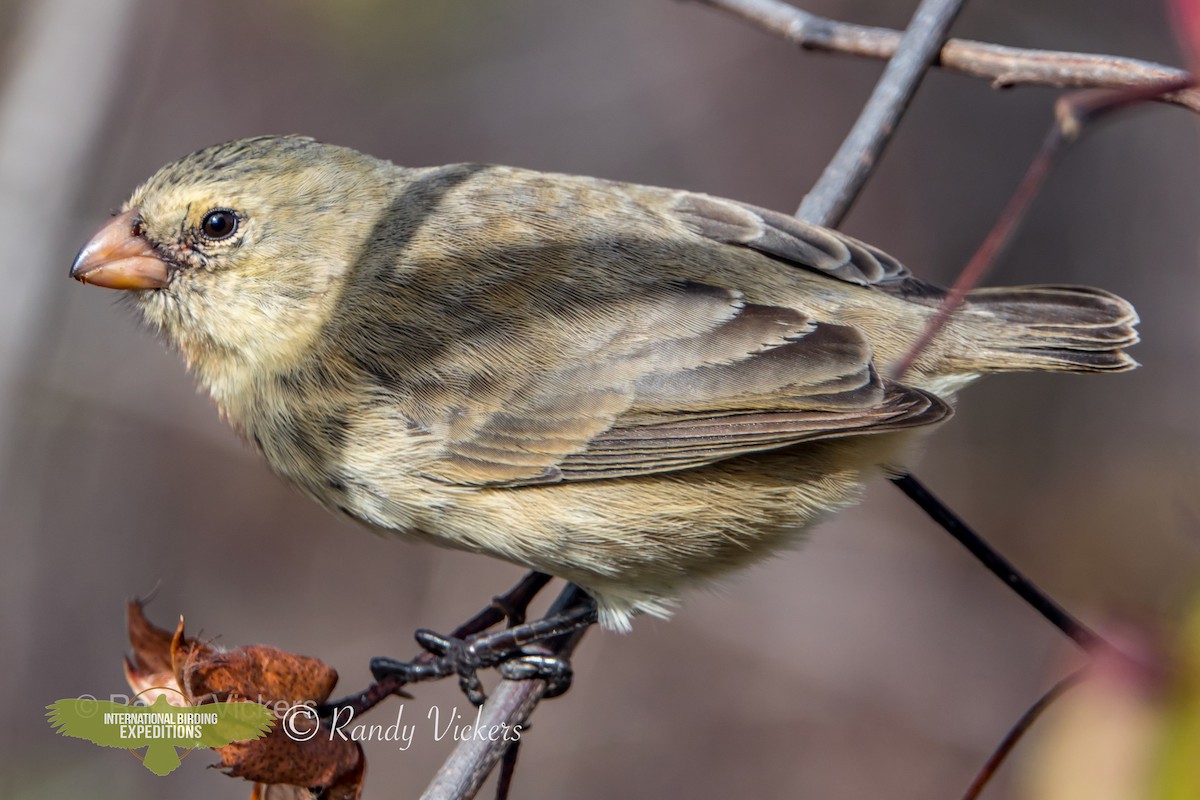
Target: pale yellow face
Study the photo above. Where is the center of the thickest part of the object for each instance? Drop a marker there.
(256, 244)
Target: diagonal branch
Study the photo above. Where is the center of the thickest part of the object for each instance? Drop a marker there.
(847, 174)
(508, 709)
(1073, 112)
(1002, 65)
(1018, 730)
(998, 565)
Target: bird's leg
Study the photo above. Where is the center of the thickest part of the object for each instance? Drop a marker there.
(511, 605)
(512, 650)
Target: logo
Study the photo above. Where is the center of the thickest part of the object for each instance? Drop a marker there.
(160, 727)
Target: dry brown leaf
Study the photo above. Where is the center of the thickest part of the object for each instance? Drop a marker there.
(278, 759)
(259, 671)
(189, 671)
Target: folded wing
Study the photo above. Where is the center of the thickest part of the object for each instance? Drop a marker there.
(694, 376)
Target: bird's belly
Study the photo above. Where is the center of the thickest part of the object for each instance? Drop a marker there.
(637, 543)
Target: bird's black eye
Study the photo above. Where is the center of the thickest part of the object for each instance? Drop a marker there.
(219, 224)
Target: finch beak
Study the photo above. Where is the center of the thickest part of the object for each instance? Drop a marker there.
(118, 258)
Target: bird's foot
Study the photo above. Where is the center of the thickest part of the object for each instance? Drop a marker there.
(514, 651)
(555, 670)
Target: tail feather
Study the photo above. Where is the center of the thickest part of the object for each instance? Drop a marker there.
(1054, 328)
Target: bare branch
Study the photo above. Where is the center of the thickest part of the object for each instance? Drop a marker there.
(1072, 112)
(1003, 66)
(1018, 730)
(509, 706)
(998, 565)
(468, 766)
(847, 174)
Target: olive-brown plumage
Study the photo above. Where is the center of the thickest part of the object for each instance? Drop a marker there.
(635, 388)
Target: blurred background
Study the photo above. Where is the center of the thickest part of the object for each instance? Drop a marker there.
(878, 660)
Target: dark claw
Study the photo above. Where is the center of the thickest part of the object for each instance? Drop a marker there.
(434, 642)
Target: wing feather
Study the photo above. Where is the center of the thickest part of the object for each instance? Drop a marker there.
(787, 238)
(700, 377)
(689, 443)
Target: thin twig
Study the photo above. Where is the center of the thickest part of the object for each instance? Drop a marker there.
(468, 766)
(987, 254)
(999, 566)
(839, 188)
(844, 177)
(1003, 66)
(1073, 112)
(508, 768)
(984, 776)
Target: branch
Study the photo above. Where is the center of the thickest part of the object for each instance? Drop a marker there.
(469, 765)
(998, 565)
(1022, 726)
(510, 705)
(1072, 113)
(1003, 66)
(847, 174)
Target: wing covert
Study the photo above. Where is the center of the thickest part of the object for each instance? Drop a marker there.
(699, 377)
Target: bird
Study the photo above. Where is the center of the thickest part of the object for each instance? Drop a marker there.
(638, 389)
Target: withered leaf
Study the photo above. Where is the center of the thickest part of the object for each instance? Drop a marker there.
(190, 671)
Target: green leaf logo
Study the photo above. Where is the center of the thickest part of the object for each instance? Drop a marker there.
(161, 727)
